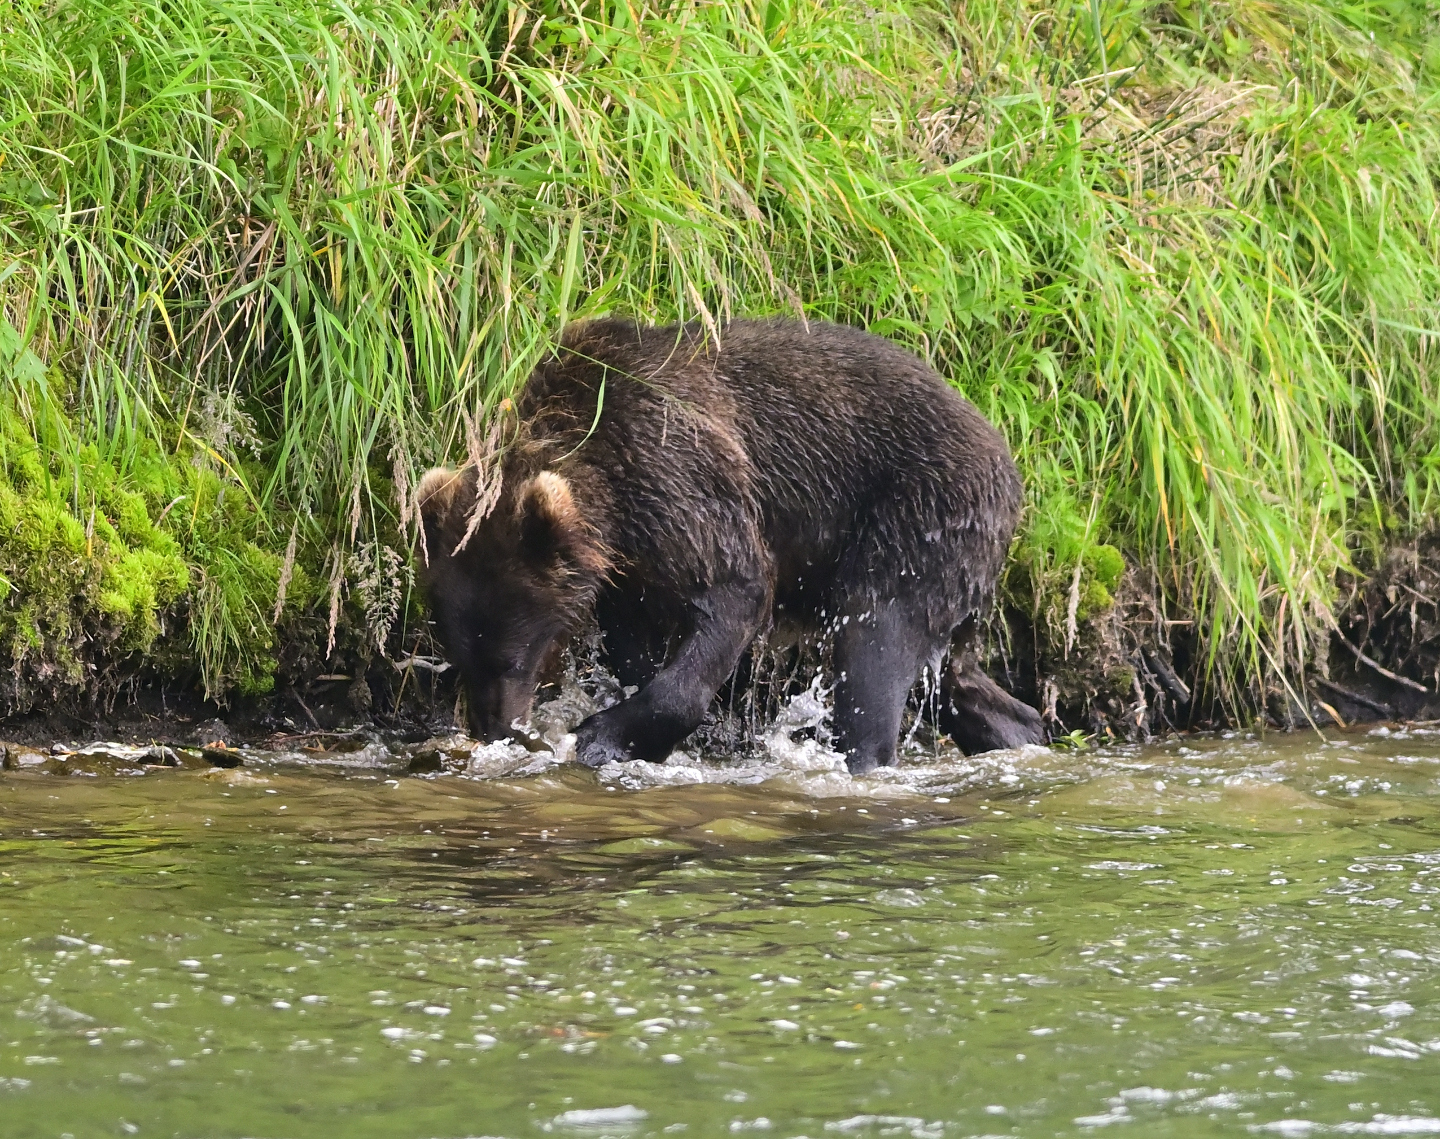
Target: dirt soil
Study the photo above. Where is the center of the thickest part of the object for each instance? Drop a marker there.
(1132, 673)
(1129, 673)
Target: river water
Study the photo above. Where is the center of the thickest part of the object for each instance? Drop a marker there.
(1207, 937)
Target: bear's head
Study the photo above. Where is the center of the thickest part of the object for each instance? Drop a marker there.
(505, 589)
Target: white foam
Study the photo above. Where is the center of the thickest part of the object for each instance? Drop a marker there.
(506, 758)
(601, 1116)
(792, 752)
(1378, 1125)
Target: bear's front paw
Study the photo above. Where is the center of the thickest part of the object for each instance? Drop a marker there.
(595, 747)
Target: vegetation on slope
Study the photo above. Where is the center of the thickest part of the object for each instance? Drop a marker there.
(1184, 253)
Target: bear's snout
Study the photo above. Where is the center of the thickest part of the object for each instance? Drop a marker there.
(494, 708)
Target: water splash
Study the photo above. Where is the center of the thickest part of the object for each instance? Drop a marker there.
(792, 751)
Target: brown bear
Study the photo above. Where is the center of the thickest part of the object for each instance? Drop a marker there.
(690, 490)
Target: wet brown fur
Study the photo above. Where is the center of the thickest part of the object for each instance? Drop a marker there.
(691, 492)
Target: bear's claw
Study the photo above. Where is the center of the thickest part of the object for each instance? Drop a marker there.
(595, 750)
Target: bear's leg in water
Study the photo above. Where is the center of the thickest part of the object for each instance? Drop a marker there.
(976, 712)
(672, 705)
(879, 652)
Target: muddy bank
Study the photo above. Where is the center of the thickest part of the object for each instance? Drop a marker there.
(1127, 669)
(1138, 670)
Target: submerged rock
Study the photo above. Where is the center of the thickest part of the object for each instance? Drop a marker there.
(447, 755)
(111, 759)
(47, 1011)
(18, 757)
(221, 756)
(236, 777)
(103, 758)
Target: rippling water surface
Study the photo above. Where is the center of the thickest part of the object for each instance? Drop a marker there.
(1208, 937)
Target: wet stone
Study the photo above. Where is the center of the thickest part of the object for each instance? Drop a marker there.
(221, 756)
(443, 754)
(104, 758)
(236, 777)
(743, 830)
(45, 1010)
(18, 757)
(644, 845)
(360, 752)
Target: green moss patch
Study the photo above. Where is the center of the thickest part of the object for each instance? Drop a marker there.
(159, 564)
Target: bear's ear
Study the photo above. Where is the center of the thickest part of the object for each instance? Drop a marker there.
(552, 529)
(437, 493)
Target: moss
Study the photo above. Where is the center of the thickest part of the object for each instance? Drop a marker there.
(1042, 572)
(1094, 599)
(1121, 679)
(126, 510)
(26, 633)
(46, 529)
(153, 478)
(1105, 564)
(20, 453)
(303, 590)
(1102, 569)
(96, 557)
(135, 586)
(10, 507)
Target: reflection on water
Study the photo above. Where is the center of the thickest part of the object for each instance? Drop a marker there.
(1207, 937)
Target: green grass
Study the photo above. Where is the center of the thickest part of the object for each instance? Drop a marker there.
(1184, 254)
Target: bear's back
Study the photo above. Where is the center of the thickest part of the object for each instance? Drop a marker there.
(833, 391)
(850, 452)
(830, 405)
(822, 411)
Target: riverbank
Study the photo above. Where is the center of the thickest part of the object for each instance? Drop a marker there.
(261, 265)
(1126, 675)
(1130, 672)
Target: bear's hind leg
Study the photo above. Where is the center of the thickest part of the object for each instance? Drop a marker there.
(879, 653)
(649, 724)
(976, 712)
(981, 716)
